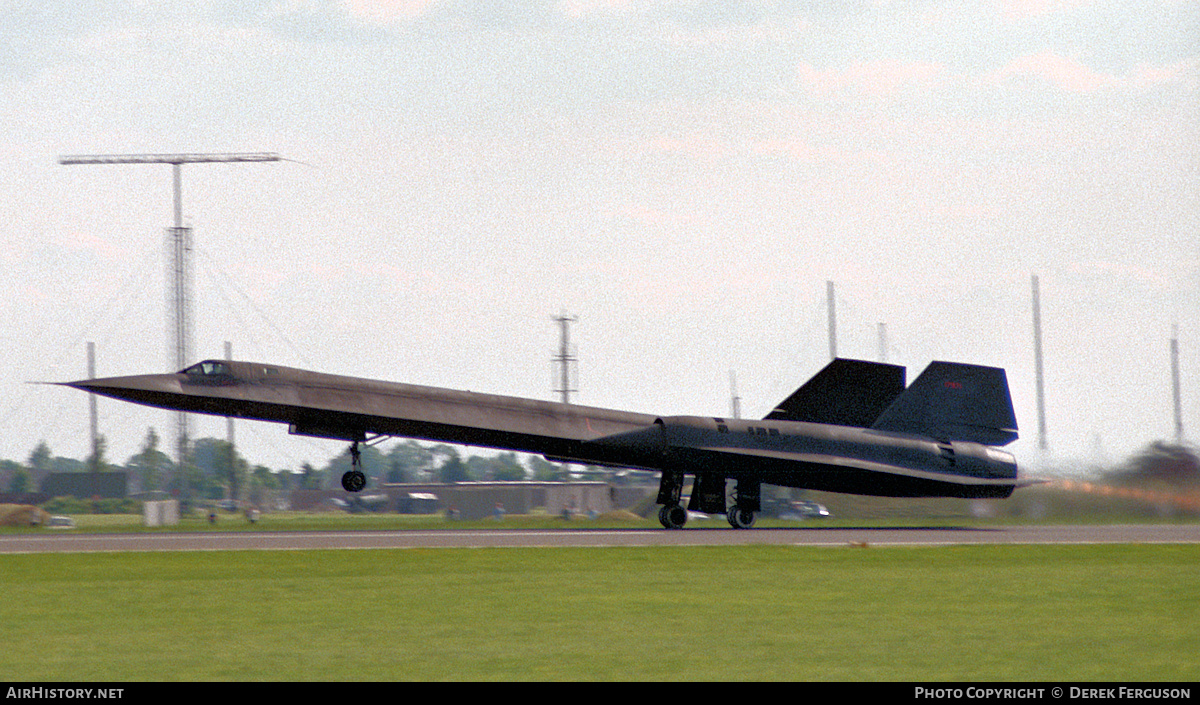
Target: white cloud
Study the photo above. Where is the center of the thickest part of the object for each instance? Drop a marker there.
(579, 9)
(1071, 75)
(874, 79)
(1066, 73)
(1182, 72)
(795, 148)
(1015, 10)
(387, 11)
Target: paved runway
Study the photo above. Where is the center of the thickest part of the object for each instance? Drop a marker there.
(798, 536)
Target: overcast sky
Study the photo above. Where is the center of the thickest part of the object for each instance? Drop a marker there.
(683, 176)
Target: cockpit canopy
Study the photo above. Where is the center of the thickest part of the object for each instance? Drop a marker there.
(208, 368)
(210, 372)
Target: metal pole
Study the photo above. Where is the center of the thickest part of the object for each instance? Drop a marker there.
(1037, 360)
(832, 320)
(94, 420)
(180, 243)
(229, 434)
(178, 178)
(1175, 384)
(564, 357)
(736, 401)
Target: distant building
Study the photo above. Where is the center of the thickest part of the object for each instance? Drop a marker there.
(85, 485)
(478, 500)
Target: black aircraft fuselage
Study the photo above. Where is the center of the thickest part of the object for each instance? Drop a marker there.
(853, 428)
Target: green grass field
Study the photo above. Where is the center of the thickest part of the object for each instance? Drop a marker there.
(672, 614)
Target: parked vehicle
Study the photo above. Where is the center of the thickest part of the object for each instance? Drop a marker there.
(802, 509)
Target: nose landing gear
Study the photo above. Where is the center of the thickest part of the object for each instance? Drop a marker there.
(354, 480)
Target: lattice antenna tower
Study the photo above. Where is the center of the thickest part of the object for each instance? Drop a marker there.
(179, 240)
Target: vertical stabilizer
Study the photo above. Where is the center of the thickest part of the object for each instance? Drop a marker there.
(844, 393)
(951, 401)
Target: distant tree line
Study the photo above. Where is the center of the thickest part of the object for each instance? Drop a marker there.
(1161, 463)
(215, 469)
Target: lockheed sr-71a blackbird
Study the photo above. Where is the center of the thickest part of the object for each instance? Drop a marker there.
(853, 428)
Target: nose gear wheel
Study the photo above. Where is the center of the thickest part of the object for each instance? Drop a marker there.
(354, 480)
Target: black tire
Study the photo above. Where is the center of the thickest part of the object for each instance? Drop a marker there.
(354, 481)
(672, 517)
(741, 518)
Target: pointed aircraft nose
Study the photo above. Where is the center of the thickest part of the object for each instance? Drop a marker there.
(155, 390)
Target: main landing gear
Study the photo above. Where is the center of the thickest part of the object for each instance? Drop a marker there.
(708, 496)
(354, 480)
(744, 504)
(672, 516)
(740, 518)
(670, 491)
